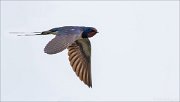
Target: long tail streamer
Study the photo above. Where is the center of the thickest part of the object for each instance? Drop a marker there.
(26, 33)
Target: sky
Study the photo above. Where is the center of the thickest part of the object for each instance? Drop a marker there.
(135, 55)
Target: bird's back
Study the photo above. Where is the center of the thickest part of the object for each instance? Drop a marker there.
(66, 30)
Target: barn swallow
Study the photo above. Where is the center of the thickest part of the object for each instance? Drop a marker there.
(75, 39)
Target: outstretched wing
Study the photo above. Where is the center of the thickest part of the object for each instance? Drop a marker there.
(64, 37)
(80, 59)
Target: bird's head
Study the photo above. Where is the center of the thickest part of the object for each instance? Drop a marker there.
(89, 32)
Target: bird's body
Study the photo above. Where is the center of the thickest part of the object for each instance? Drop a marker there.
(75, 39)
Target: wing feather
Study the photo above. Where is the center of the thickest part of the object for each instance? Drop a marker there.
(80, 59)
(64, 37)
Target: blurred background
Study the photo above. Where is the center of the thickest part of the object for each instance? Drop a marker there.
(135, 55)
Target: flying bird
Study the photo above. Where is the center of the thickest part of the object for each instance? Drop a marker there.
(75, 39)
